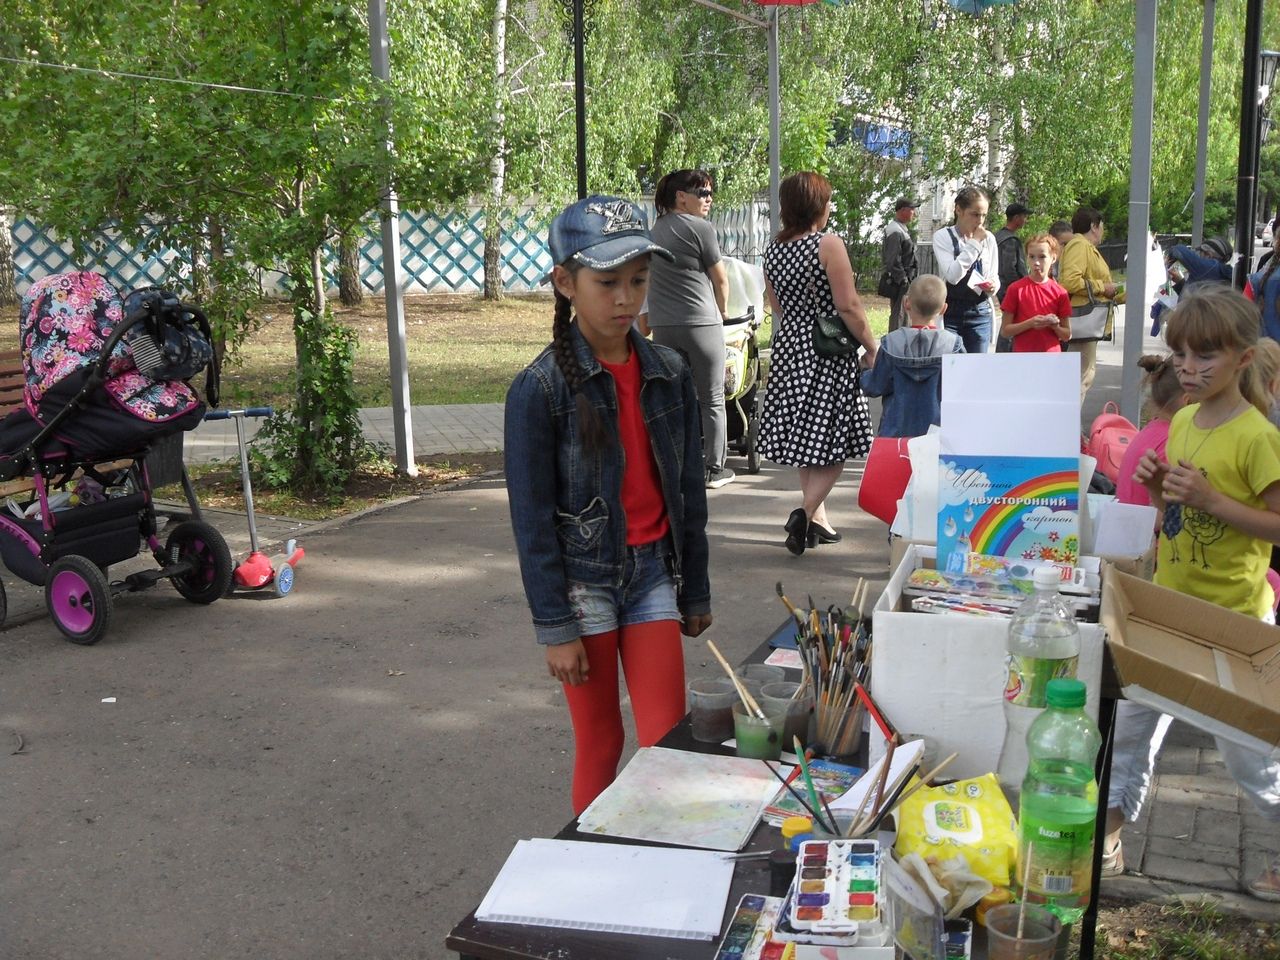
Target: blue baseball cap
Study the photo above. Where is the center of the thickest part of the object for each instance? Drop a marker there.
(601, 233)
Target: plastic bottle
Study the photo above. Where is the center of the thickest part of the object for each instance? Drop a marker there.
(1044, 644)
(1059, 806)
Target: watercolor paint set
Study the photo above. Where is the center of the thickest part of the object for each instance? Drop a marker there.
(837, 887)
(748, 935)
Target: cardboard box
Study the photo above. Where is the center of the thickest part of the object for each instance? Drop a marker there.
(943, 675)
(1214, 668)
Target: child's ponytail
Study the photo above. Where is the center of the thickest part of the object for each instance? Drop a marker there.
(590, 427)
(1161, 381)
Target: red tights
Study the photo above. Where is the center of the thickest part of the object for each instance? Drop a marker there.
(653, 662)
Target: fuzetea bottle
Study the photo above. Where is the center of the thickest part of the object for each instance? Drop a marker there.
(1059, 804)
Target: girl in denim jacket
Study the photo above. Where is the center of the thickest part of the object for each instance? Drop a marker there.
(603, 453)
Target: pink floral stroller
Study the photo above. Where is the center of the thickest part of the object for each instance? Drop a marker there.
(103, 380)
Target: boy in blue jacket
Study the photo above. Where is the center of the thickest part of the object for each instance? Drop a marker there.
(908, 369)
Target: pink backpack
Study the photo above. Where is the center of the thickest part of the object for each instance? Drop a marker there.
(1109, 438)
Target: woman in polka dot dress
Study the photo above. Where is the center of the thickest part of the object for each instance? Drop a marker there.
(815, 416)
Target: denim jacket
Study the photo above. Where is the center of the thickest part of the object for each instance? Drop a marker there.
(908, 375)
(566, 504)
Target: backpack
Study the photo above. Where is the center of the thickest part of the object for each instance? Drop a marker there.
(1109, 438)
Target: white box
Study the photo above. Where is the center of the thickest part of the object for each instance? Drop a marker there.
(943, 675)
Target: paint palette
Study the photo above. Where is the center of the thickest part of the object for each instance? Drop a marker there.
(837, 886)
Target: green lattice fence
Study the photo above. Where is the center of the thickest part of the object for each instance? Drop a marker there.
(438, 252)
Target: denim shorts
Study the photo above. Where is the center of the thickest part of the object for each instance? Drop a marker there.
(648, 593)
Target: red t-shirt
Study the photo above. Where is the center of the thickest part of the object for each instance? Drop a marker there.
(1026, 299)
(642, 501)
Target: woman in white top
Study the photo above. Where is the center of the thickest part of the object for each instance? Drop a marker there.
(969, 263)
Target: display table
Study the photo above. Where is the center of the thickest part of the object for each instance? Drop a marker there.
(504, 941)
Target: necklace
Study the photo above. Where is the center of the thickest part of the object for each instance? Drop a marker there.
(1190, 458)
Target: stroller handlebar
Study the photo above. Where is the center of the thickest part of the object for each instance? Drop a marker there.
(247, 412)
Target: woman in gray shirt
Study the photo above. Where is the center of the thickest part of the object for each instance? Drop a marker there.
(687, 301)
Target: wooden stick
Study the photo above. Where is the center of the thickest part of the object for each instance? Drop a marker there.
(748, 701)
(1026, 878)
(888, 762)
(924, 780)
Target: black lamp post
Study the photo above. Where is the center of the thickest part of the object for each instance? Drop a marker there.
(1259, 77)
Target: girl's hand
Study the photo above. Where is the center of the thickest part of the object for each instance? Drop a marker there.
(1150, 469)
(692, 624)
(1185, 484)
(567, 662)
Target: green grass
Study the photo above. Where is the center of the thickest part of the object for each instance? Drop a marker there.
(461, 348)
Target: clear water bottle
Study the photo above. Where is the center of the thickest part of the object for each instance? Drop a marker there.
(1044, 645)
(1059, 805)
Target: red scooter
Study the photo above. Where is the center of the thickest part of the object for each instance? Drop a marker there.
(258, 571)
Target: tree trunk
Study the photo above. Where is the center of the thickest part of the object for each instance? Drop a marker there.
(498, 165)
(319, 296)
(350, 291)
(8, 271)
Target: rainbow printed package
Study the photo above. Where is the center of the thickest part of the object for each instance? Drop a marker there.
(1025, 508)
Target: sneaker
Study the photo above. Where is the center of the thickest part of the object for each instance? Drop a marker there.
(1267, 885)
(1113, 861)
(719, 476)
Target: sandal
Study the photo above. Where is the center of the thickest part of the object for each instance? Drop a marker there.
(1266, 886)
(1113, 861)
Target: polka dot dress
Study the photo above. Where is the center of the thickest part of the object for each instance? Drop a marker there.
(814, 411)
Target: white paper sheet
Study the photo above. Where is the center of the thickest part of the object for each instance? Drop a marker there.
(1026, 429)
(616, 887)
(858, 798)
(1123, 529)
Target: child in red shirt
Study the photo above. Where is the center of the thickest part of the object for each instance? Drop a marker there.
(1036, 310)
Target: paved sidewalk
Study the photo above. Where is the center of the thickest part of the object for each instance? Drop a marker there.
(438, 431)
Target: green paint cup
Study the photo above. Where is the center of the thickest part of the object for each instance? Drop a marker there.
(758, 739)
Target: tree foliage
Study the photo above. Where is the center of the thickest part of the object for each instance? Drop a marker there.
(1033, 99)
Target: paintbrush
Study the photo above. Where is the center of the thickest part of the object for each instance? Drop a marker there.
(748, 701)
(923, 781)
(793, 791)
(886, 728)
(891, 801)
(791, 607)
(808, 781)
(888, 763)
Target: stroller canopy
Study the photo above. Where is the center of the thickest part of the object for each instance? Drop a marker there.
(65, 321)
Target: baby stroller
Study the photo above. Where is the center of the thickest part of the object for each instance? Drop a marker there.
(741, 385)
(102, 380)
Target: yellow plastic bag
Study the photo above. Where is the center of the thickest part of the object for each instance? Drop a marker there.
(969, 818)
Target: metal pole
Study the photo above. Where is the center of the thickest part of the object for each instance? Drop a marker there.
(580, 94)
(1144, 63)
(1247, 177)
(392, 289)
(775, 136)
(1202, 135)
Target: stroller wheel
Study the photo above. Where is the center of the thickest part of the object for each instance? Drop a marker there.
(79, 599)
(199, 542)
(752, 451)
(4, 605)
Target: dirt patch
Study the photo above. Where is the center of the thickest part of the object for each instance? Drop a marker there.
(1190, 930)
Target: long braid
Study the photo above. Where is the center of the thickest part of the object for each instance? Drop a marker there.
(593, 435)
